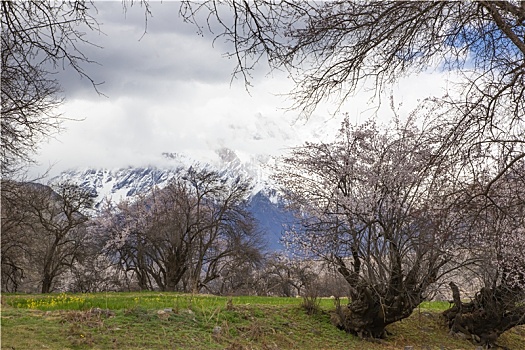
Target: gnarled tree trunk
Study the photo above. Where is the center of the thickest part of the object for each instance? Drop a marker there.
(484, 319)
(372, 308)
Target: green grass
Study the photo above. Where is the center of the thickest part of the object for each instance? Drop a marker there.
(119, 301)
(138, 321)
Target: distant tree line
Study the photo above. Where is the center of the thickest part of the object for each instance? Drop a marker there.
(194, 235)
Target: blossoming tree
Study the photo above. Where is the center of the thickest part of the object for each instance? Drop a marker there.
(374, 203)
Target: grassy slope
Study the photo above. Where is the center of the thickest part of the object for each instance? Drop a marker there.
(69, 322)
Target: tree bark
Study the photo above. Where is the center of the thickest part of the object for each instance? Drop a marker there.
(484, 319)
(46, 283)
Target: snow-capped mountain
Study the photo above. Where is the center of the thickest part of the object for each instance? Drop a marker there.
(117, 184)
(125, 183)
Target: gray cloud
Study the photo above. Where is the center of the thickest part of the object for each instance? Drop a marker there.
(131, 61)
(169, 91)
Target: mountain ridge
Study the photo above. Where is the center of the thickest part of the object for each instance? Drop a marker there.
(126, 183)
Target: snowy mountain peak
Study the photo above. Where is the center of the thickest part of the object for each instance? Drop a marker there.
(125, 183)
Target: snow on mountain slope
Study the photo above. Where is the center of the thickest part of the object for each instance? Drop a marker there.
(117, 184)
(125, 183)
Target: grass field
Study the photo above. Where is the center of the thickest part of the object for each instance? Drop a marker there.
(152, 320)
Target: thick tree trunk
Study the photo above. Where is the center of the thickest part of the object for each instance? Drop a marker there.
(47, 282)
(372, 309)
(483, 320)
(174, 275)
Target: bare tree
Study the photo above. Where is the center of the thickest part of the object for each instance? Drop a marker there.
(60, 231)
(184, 235)
(237, 273)
(374, 204)
(38, 37)
(14, 237)
(330, 47)
(286, 276)
(496, 237)
(45, 230)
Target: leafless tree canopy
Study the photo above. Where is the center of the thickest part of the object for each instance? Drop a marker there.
(43, 233)
(38, 37)
(332, 46)
(186, 235)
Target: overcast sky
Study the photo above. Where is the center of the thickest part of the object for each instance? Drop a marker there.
(170, 90)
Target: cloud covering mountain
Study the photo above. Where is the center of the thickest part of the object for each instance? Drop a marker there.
(168, 89)
(127, 183)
